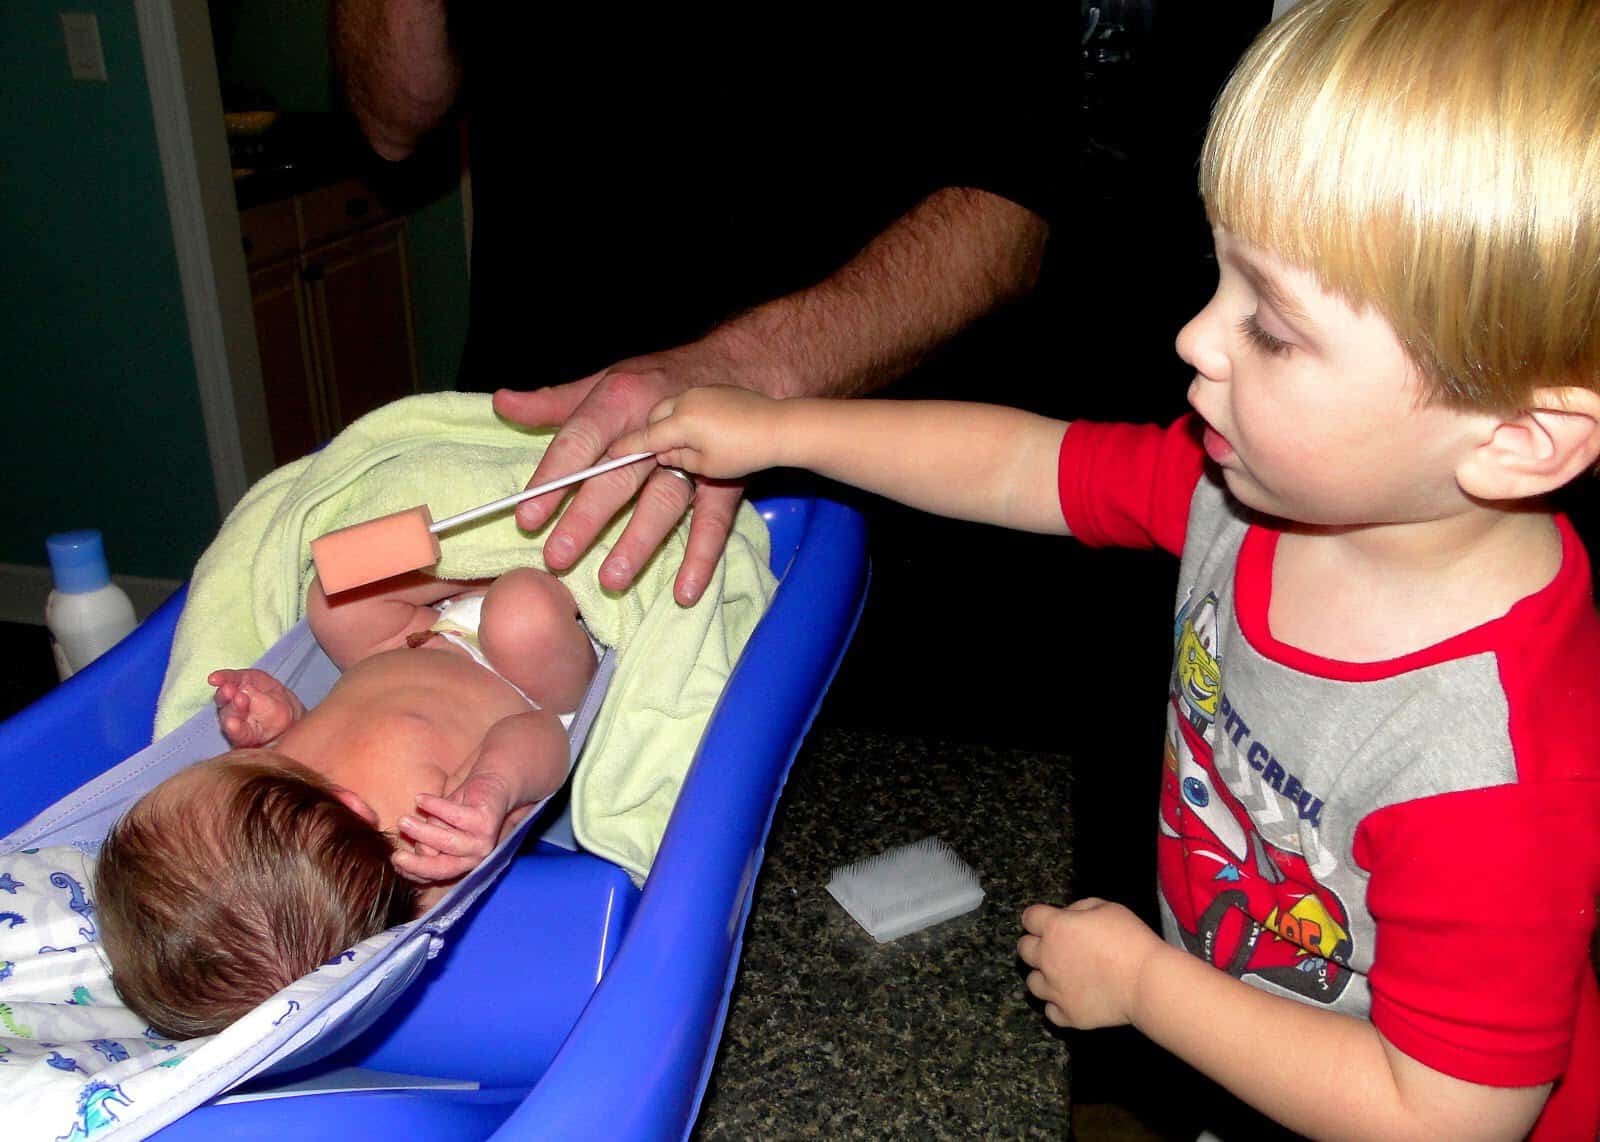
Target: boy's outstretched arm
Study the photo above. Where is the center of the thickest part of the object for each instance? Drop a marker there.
(521, 761)
(1319, 1072)
(975, 462)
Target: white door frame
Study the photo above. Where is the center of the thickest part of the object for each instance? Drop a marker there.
(186, 102)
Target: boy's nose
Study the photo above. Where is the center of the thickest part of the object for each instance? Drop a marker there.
(1200, 344)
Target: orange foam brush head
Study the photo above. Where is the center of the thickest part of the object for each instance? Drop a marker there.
(366, 552)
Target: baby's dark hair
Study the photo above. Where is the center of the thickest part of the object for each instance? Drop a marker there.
(210, 903)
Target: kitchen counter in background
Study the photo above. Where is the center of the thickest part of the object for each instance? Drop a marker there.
(300, 151)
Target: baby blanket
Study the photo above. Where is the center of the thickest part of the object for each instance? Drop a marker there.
(449, 451)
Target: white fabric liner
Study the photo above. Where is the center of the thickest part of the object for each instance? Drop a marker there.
(88, 1066)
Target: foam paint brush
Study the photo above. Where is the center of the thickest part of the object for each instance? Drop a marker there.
(409, 540)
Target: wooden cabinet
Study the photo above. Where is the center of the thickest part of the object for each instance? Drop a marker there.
(330, 286)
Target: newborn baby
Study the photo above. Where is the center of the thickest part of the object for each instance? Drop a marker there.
(238, 875)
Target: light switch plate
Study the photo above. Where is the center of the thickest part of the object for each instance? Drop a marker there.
(85, 58)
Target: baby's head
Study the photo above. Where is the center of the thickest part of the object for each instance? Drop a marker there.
(1438, 163)
(230, 880)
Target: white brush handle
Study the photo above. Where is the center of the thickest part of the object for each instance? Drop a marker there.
(509, 501)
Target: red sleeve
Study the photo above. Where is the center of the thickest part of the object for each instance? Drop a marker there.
(1484, 905)
(1129, 485)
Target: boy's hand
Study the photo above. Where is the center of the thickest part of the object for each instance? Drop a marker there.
(253, 707)
(720, 431)
(453, 834)
(1086, 959)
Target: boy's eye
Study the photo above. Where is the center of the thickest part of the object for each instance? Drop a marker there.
(1260, 338)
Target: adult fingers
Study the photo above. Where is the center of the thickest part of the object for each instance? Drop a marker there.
(541, 408)
(593, 506)
(716, 505)
(661, 504)
(614, 404)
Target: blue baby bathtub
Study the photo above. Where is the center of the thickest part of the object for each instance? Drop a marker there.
(581, 1007)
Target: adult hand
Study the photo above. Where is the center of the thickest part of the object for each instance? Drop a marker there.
(593, 413)
(1086, 960)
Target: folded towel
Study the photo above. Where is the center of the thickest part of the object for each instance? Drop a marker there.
(449, 451)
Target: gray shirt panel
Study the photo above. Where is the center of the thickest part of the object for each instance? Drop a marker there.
(1309, 757)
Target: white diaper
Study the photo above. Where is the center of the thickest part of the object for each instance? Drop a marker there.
(459, 619)
(458, 622)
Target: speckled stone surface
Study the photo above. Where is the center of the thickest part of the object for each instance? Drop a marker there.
(830, 1035)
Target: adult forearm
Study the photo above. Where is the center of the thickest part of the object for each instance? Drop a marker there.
(399, 73)
(957, 255)
(1321, 1073)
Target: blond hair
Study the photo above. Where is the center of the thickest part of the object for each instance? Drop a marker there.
(207, 910)
(1438, 162)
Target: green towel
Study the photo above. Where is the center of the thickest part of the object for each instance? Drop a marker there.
(449, 451)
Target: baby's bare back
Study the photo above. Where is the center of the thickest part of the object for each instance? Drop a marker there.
(402, 722)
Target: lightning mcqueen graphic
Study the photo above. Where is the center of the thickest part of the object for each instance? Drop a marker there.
(1246, 906)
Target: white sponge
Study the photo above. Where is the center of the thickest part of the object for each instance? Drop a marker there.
(906, 889)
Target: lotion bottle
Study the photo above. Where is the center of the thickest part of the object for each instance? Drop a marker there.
(87, 613)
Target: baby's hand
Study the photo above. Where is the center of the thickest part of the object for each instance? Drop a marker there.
(253, 707)
(1086, 960)
(718, 431)
(454, 833)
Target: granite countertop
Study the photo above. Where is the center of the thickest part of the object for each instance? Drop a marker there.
(831, 1035)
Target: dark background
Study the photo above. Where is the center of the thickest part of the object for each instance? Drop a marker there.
(977, 634)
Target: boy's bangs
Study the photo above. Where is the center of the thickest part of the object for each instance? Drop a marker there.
(1436, 162)
(1283, 165)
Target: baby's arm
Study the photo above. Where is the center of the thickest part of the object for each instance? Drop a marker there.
(368, 620)
(967, 461)
(522, 760)
(253, 707)
(1319, 1072)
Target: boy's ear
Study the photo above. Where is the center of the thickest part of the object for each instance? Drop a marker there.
(1525, 454)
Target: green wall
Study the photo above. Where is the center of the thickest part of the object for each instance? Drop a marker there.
(103, 425)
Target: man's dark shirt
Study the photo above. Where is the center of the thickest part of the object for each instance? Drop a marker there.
(626, 200)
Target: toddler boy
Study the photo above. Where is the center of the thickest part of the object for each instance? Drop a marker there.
(1380, 823)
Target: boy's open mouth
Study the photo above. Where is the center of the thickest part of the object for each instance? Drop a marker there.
(1216, 445)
